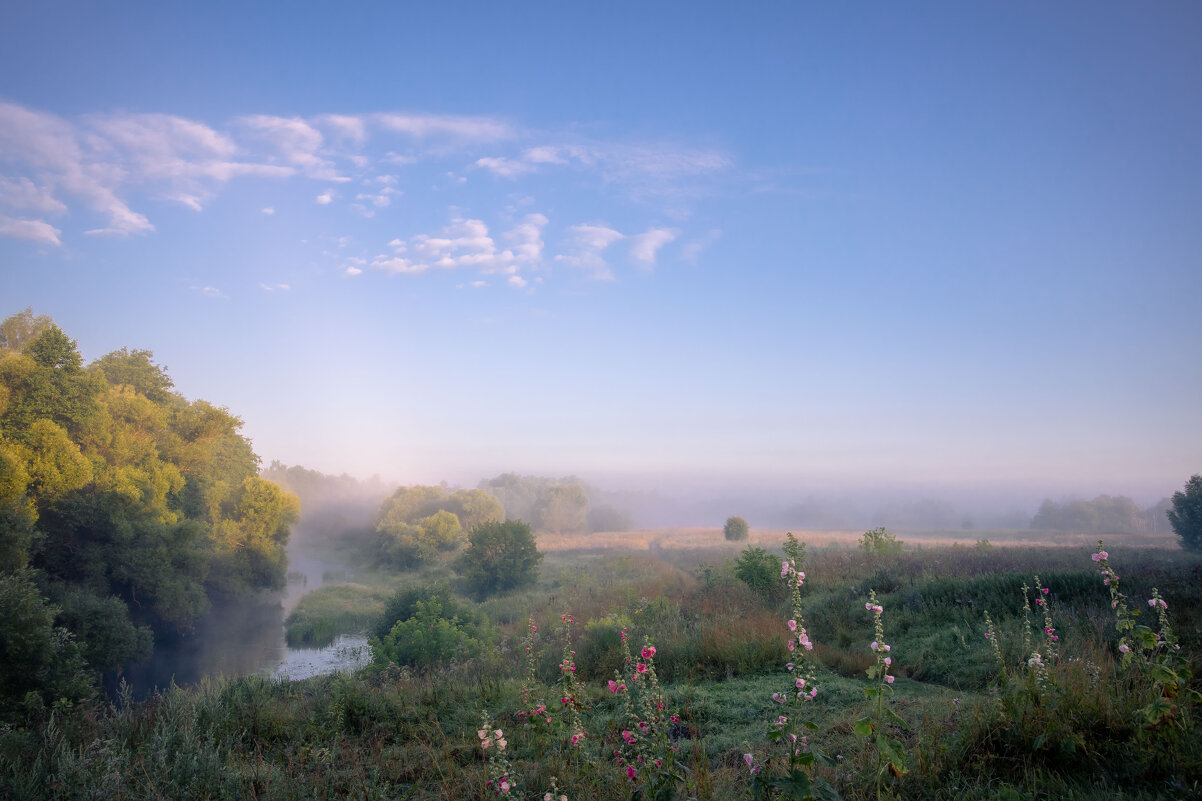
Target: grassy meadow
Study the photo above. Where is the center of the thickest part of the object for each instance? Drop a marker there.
(528, 696)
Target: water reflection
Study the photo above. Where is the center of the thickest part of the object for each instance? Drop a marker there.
(245, 638)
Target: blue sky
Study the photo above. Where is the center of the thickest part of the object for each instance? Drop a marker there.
(932, 245)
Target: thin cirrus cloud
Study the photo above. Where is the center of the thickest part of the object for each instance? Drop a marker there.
(33, 230)
(645, 246)
(584, 249)
(61, 176)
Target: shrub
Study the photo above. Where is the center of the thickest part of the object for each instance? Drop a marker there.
(760, 571)
(735, 529)
(500, 557)
(880, 541)
(425, 639)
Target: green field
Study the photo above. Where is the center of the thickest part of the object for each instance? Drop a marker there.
(1081, 726)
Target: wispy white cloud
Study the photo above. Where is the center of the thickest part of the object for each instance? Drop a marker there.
(692, 250)
(275, 287)
(645, 246)
(506, 168)
(33, 230)
(24, 195)
(325, 198)
(584, 249)
(268, 210)
(467, 243)
(208, 291)
(296, 142)
(343, 126)
(422, 126)
(518, 281)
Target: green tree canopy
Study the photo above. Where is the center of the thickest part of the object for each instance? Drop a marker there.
(735, 529)
(1186, 514)
(500, 556)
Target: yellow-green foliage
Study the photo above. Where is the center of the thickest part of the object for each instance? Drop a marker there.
(113, 486)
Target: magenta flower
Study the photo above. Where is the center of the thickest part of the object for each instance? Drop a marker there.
(889, 679)
(792, 625)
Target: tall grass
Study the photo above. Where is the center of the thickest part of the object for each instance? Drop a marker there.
(325, 613)
(394, 732)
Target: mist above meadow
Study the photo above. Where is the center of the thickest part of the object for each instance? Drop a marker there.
(749, 255)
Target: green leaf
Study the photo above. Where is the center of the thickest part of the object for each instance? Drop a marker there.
(824, 791)
(864, 727)
(893, 716)
(1039, 741)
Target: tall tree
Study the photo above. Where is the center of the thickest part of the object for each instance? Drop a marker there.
(1186, 514)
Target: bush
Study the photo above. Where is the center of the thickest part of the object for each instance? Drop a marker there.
(880, 541)
(500, 557)
(736, 529)
(760, 571)
(426, 639)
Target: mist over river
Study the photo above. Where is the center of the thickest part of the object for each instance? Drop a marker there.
(246, 637)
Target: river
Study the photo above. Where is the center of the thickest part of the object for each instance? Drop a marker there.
(247, 638)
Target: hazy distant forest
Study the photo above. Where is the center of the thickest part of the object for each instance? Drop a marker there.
(544, 638)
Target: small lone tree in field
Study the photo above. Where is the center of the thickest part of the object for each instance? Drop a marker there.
(499, 557)
(1185, 516)
(735, 529)
(880, 541)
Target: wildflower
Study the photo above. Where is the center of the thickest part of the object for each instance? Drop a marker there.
(648, 652)
(482, 733)
(640, 667)
(1124, 648)
(789, 666)
(630, 772)
(792, 625)
(888, 660)
(874, 645)
(889, 679)
(501, 745)
(800, 683)
(790, 644)
(613, 686)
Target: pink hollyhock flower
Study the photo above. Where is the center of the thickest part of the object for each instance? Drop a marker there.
(648, 652)
(889, 679)
(1045, 590)
(640, 667)
(874, 645)
(613, 686)
(792, 624)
